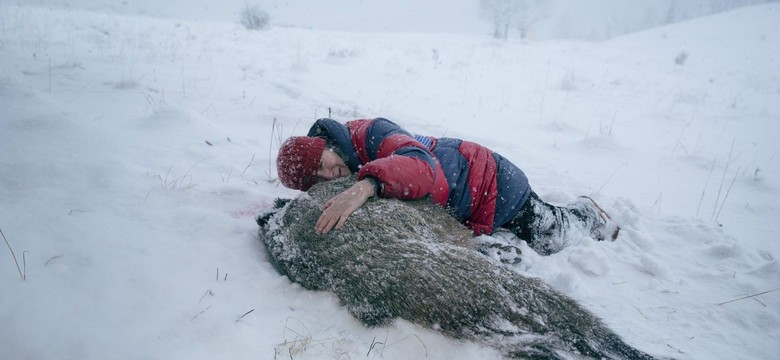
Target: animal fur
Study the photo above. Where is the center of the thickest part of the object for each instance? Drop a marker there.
(411, 260)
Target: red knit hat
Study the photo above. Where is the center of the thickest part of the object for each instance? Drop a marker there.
(298, 161)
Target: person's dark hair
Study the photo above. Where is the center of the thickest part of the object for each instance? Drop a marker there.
(331, 144)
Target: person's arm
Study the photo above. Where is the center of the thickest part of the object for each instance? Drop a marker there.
(396, 165)
(336, 210)
(404, 167)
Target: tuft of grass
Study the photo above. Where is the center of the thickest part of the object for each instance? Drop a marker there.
(303, 340)
(173, 183)
(254, 18)
(155, 103)
(381, 346)
(181, 183)
(226, 177)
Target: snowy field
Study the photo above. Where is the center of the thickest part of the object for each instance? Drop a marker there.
(135, 152)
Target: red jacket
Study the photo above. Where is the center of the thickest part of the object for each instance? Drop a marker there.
(480, 187)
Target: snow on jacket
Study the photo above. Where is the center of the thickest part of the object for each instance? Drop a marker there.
(481, 188)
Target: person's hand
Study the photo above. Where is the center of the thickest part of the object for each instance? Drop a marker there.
(336, 210)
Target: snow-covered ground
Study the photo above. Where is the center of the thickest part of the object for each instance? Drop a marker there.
(135, 151)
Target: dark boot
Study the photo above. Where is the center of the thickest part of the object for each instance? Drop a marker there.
(601, 225)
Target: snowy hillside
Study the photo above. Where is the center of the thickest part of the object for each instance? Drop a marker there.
(560, 19)
(135, 151)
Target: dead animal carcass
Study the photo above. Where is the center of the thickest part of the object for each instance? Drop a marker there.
(411, 260)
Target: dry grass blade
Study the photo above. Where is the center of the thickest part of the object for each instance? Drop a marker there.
(404, 338)
(722, 180)
(749, 296)
(22, 275)
(703, 191)
(727, 194)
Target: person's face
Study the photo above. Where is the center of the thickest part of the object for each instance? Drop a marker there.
(331, 166)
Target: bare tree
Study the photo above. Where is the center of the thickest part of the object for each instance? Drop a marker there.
(517, 14)
(500, 13)
(528, 14)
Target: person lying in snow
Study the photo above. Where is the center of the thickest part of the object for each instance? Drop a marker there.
(479, 187)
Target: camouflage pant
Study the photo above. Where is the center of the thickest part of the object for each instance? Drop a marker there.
(545, 226)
